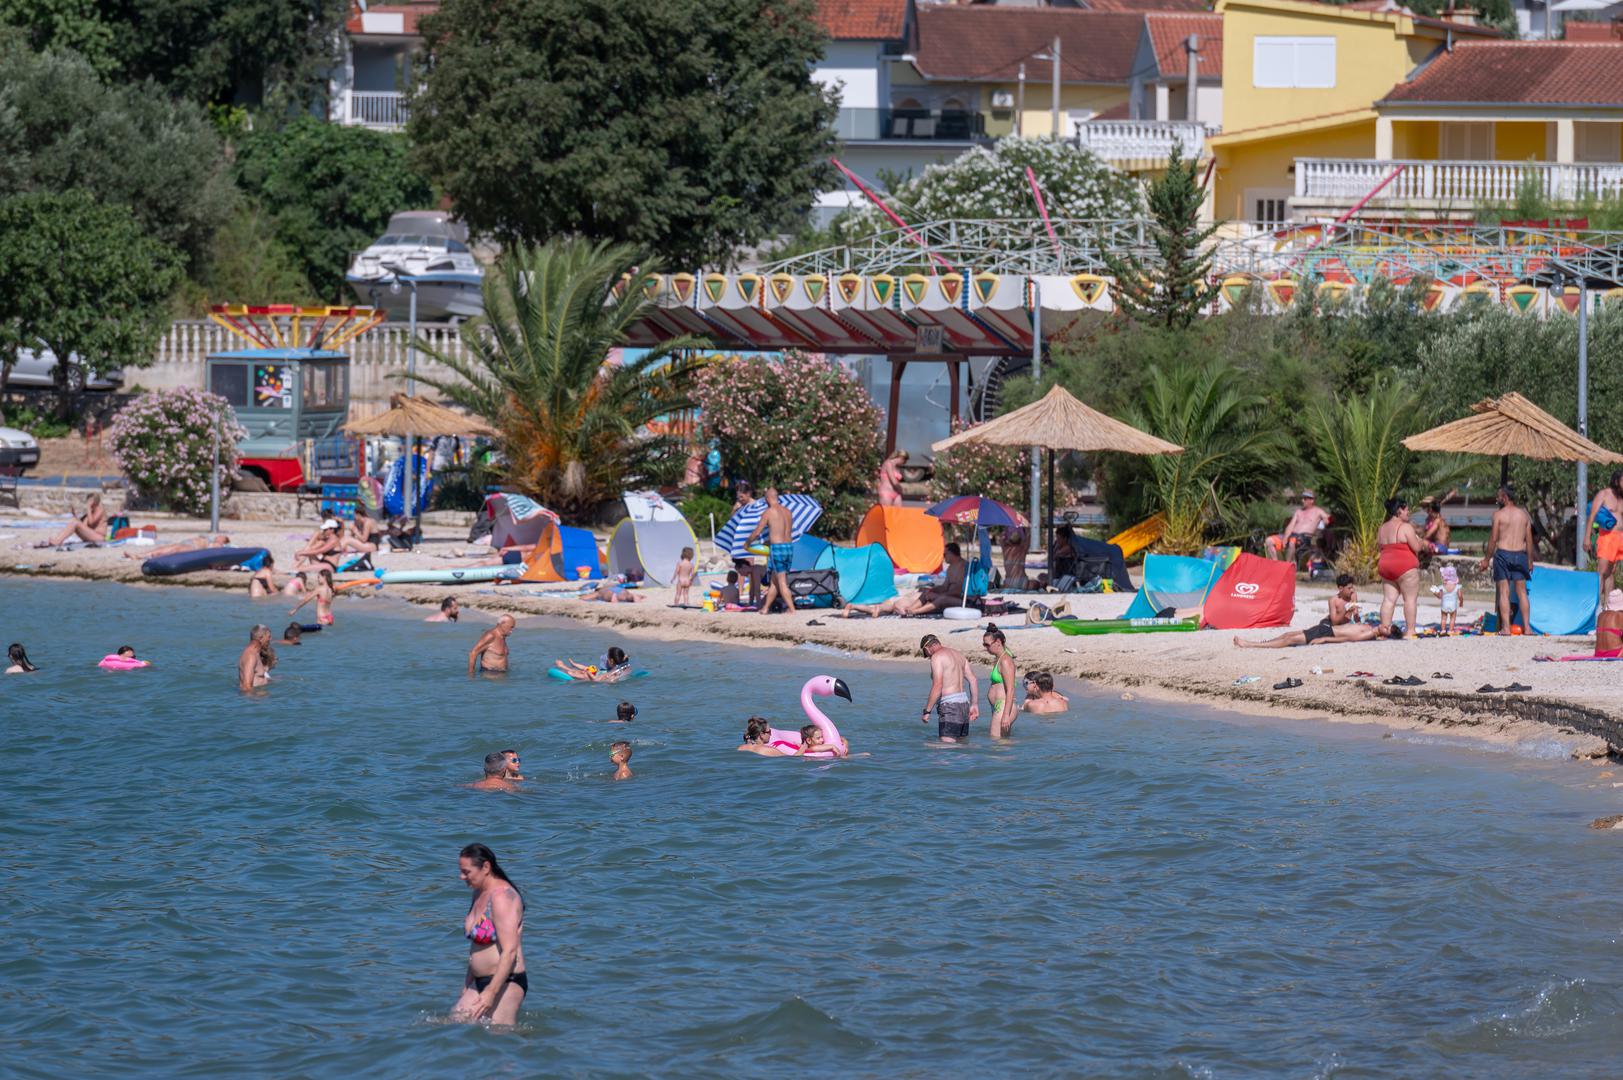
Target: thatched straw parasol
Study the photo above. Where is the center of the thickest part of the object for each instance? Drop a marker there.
(1058, 421)
(421, 418)
(1509, 425)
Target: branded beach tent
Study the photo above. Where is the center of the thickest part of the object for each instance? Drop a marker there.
(867, 576)
(1173, 581)
(1253, 592)
(650, 541)
(516, 520)
(909, 536)
(561, 553)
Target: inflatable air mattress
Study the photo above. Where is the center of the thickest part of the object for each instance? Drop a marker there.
(213, 558)
(1122, 626)
(451, 577)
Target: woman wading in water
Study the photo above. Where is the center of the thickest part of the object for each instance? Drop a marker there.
(495, 983)
(1000, 694)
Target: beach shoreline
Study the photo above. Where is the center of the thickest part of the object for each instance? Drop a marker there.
(1575, 701)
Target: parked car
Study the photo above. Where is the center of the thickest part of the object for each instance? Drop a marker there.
(18, 448)
(36, 369)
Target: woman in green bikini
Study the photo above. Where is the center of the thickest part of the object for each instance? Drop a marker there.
(1000, 694)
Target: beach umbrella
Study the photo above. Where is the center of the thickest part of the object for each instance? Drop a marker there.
(976, 510)
(803, 514)
(1058, 421)
(1511, 425)
(420, 417)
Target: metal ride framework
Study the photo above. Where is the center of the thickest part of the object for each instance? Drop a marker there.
(290, 326)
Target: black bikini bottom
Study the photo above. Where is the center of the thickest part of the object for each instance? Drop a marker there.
(520, 979)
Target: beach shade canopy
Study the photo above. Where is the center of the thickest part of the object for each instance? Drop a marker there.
(1253, 592)
(419, 417)
(1511, 425)
(909, 536)
(867, 576)
(1058, 421)
(976, 510)
(649, 542)
(803, 514)
(1173, 581)
(516, 520)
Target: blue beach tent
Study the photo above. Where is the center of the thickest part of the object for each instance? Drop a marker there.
(807, 551)
(867, 576)
(1564, 601)
(1175, 581)
(579, 549)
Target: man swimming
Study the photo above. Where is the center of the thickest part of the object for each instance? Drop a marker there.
(956, 708)
(448, 611)
(497, 774)
(489, 654)
(254, 665)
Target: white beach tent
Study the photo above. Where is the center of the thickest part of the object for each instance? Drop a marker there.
(651, 540)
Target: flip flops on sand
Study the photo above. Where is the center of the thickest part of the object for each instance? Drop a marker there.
(1403, 680)
(1288, 684)
(1513, 688)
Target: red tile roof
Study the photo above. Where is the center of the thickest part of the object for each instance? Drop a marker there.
(863, 20)
(1592, 31)
(1146, 5)
(409, 12)
(1169, 30)
(987, 44)
(1521, 73)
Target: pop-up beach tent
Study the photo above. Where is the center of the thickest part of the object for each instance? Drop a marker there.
(867, 576)
(516, 520)
(650, 541)
(909, 536)
(808, 549)
(1172, 581)
(1564, 602)
(1253, 592)
(560, 554)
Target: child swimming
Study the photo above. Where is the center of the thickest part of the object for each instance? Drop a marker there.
(624, 713)
(620, 754)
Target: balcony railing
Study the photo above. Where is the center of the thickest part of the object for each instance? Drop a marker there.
(932, 125)
(1128, 140)
(1457, 182)
(385, 111)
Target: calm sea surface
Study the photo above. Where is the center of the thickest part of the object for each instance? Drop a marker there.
(200, 884)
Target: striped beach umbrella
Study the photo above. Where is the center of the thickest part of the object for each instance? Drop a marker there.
(975, 510)
(803, 514)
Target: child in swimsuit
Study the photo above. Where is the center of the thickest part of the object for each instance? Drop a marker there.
(1449, 593)
(322, 594)
(620, 754)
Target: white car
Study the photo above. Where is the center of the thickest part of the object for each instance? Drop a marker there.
(36, 369)
(18, 448)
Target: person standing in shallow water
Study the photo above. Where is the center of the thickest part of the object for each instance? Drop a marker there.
(254, 664)
(495, 981)
(489, 653)
(956, 708)
(1000, 695)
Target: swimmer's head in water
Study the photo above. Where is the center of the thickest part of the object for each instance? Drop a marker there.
(757, 729)
(448, 607)
(495, 763)
(617, 657)
(620, 752)
(625, 712)
(126, 650)
(19, 656)
(292, 632)
(513, 763)
(1044, 681)
(928, 644)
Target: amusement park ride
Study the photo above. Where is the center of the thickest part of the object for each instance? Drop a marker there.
(290, 388)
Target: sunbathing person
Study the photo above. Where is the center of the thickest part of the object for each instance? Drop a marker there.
(196, 543)
(612, 594)
(1320, 633)
(91, 526)
(322, 550)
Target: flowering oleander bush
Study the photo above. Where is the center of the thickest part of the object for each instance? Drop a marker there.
(801, 422)
(997, 472)
(163, 442)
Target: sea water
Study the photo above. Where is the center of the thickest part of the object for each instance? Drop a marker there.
(201, 883)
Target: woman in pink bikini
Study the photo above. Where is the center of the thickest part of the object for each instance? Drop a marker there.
(1399, 566)
(495, 982)
(889, 484)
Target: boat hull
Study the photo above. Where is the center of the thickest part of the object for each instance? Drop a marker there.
(440, 296)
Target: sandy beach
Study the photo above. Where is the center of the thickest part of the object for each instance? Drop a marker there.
(1578, 701)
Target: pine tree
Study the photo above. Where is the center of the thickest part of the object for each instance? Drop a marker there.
(1169, 289)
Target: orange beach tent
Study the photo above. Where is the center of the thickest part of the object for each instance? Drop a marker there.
(560, 553)
(909, 536)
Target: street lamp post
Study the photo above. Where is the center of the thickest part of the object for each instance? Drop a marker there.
(1583, 415)
(409, 466)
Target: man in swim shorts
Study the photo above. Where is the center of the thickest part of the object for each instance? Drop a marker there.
(956, 708)
(780, 533)
(254, 665)
(1510, 552)
(489, 653)
(1607, 548)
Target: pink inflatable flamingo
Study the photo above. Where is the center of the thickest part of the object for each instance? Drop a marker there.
(788, 741)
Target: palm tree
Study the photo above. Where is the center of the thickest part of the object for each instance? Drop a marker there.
(1363, 462)
(574, 428)
(1230, 442)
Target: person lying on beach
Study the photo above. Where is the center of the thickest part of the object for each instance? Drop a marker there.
(1320, 633)
(322, 594)
(620, 754)
(512, 555)
(196, 543)
(90, 526)
(263, 582)
(19, 660)
(322, 550)
(489, 653)
(253, 666)
(612, 594)
(448, 611)
(617, 666)
(498, 774)
(1041, 697)
(296, 584)
(758, 738)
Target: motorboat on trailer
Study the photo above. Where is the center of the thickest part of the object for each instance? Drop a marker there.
(430, 249)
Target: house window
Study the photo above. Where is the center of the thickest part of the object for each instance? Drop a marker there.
(1291, 63)
(1597, 142)
(1267, 206)
(1466, 142)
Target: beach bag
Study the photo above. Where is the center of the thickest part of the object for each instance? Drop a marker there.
(814, 588)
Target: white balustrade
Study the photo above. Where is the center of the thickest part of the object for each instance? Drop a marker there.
(1456, 182)
(385, 111)
(1125, 140)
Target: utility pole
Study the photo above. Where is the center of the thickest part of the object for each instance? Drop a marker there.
(1054, 99)
(1020, 101)
(1037, 528)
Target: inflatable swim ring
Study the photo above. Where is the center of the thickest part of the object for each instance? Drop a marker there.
(788, 742)
(115, 662)
(560, 673)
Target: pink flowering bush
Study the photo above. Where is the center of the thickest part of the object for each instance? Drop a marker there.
(998, 472)
(801, 422)
(163, 442)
